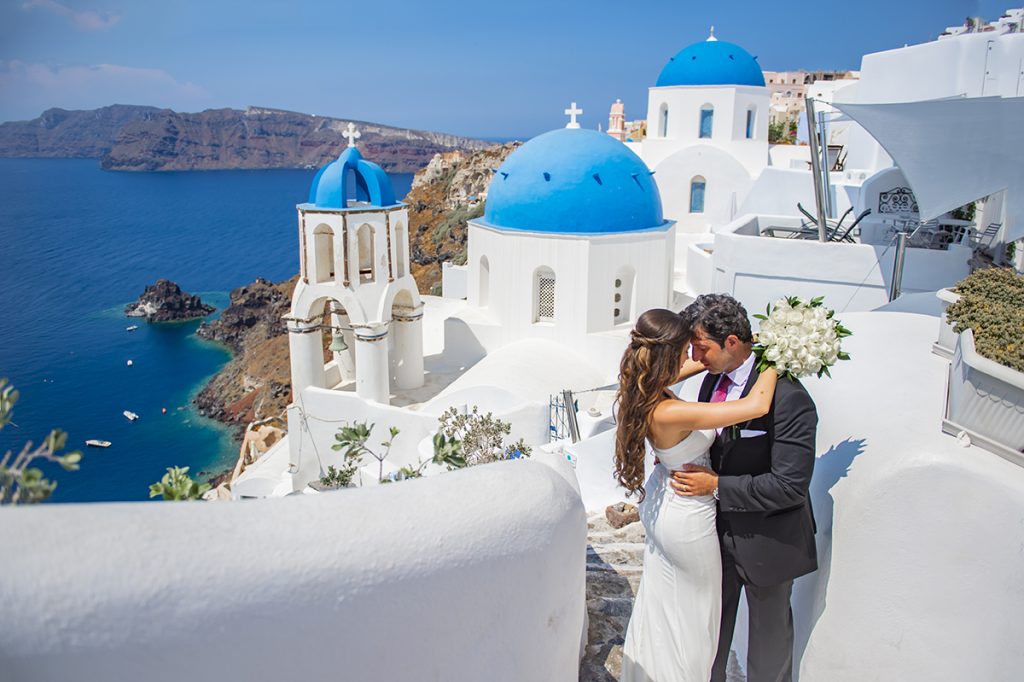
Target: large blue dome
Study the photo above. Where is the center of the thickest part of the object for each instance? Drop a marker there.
(372, 184)
(573, 181)
(712, 62)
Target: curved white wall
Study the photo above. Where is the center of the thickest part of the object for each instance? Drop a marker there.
(472, 575)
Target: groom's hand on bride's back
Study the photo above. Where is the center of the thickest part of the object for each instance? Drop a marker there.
(694, 481)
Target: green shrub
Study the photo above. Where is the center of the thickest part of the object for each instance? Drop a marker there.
(178, 485)
(992, 306)
(19, 482)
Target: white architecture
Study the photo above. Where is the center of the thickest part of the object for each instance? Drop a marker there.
(707, 132)
(469, 576)
(572, 243)
(355, 282)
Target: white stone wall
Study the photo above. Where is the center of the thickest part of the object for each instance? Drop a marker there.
(727, 183)
(467, 576)
(758, 270)
(728, 132)
(585, 268)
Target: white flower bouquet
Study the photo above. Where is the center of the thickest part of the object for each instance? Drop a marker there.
(799, 338)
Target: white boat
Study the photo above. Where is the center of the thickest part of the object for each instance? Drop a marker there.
(130, 363)
(131, 328)
(131, 416)
(93, 443)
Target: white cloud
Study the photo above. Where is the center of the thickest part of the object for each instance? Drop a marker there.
(87, 20)
(27, 89)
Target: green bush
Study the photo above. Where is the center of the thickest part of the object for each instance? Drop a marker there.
(992, 306)
(19, 482)
(457, 217)
(178, 485)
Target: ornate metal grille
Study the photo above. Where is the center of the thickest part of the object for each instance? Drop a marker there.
(545, 297)
(898, 200)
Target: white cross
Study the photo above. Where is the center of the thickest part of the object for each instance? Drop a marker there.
(352, 134)
(572, 112)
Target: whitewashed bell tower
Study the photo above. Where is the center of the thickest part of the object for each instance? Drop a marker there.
(354, 283)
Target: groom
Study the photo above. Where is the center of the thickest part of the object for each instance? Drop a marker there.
(760, 474)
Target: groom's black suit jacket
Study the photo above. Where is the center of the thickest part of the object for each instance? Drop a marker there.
(764, 509)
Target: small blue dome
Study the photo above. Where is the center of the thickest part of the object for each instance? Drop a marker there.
(372, 184)
(712, 62)
(573, 181)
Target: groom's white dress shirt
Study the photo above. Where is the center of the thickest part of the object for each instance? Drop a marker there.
(738, 377)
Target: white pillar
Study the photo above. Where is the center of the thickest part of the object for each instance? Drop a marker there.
(305, 348)
(372, 363)
(408, 331)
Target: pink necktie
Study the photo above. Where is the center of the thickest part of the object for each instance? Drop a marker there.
(722, 389)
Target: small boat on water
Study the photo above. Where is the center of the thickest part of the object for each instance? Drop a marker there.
(130, 415)
(131, 328)
(93, 443)
(130, 363)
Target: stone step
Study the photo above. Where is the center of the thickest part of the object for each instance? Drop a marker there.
(612, 584)
(618, 554)
(634, 532)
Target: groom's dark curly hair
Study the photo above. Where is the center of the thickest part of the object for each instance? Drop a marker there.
(719, 316)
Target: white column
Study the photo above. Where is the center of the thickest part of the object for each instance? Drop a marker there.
(371, 343)
(408, 332)
(305, 348)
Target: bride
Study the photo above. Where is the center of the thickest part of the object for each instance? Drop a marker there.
(673, 632)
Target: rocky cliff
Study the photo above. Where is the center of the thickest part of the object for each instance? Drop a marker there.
(256, 382)
(149, 139)
(450, 190)
(166, 302)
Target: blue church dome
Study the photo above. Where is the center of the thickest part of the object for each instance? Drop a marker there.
(372, 184)
(712, 62)
(573, 181)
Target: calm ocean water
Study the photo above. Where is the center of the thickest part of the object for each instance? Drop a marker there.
(76, 245)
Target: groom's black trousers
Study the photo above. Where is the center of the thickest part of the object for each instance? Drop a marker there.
(770, 635)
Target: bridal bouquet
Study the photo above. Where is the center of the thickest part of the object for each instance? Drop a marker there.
(799, 338)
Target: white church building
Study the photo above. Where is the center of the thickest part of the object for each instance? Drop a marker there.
(707, 131)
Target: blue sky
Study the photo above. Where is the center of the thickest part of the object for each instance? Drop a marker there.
(489, 69)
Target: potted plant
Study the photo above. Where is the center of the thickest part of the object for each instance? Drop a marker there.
(986, 382)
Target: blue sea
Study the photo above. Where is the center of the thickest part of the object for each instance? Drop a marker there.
(77, 244)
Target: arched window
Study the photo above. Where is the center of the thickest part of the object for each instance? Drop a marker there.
(697, 187)
(707, 120)
(364, 239)
(623, 296)
(323, 254)
(544, 295)
(663, 121)
(750, 123)
(485, 282)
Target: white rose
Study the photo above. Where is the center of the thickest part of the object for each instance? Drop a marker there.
(765, 338)
(782, 343)
(773, 354)
(794, 317)
(814, 366)
(796, 368)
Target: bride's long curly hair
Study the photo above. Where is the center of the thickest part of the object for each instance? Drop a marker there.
(649, 365)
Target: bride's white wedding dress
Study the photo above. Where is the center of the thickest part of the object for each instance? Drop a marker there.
(673, 632)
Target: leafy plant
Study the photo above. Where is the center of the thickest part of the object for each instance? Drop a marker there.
(965, 212)
(20, 483)
(352, 439)
(447, 452)
(176, 484)
(992, 306)
(481, 436)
